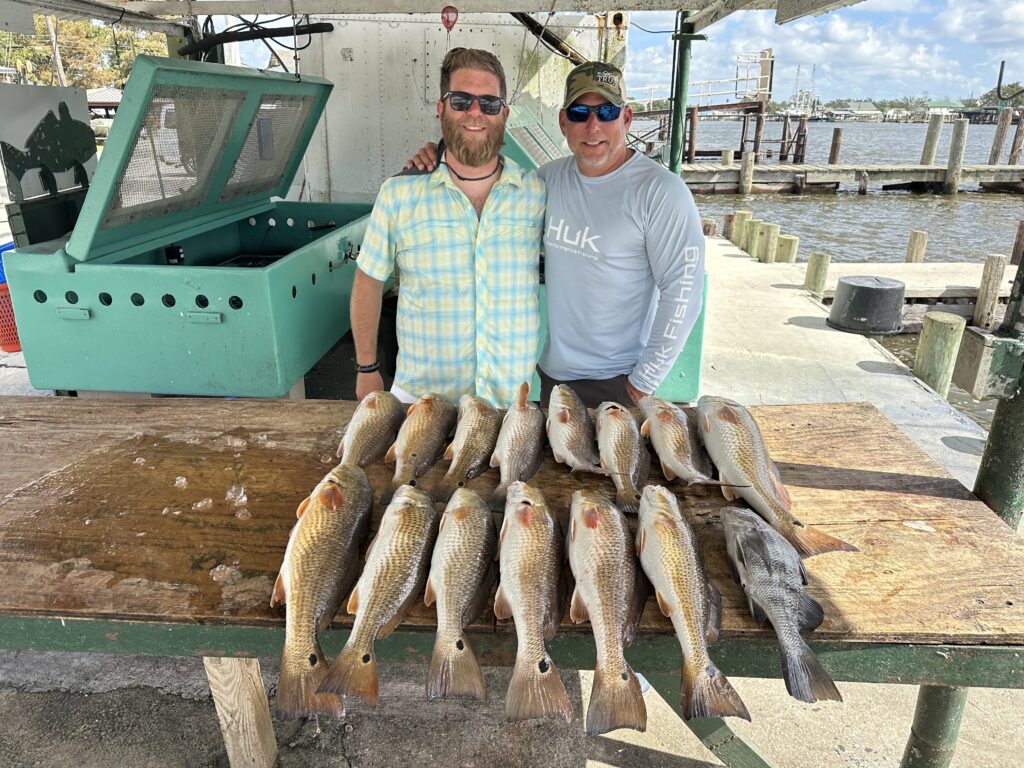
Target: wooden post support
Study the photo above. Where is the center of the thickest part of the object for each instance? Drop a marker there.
(999, 139)
(727, 156)
(955, 166)
(746, 173)
(691, 149)
(788, 245)
(758, 132)
(709, 226)
(243, 712)
(817, 273)
(936, 727)
(769, 243)
(784, 143)
(837, 143)
(758, 239)
(1018, 141)
(988, 292)
(862, 183)
(1018, 244)
(916, 246)
(931, 140)
(743, 134)
(750, 235)
(739, 227)
(727, 221)
(937, 348)
(801, 141)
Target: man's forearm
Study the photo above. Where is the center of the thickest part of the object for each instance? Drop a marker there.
(365, 316)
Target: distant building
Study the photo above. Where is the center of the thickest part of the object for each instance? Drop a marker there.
(859, 111)
(103, 102)
(943, 107)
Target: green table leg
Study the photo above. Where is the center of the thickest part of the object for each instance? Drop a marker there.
(936, 727)
(714, 733)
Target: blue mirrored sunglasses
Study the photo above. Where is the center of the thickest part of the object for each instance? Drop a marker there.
(462, 101)
(580, 113)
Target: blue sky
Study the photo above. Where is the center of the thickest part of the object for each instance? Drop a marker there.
(883, 49)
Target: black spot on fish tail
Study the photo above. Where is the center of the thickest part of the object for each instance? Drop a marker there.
(460, 645)
(625, 676)
(312, 659)
(366, 658)
(543, 666)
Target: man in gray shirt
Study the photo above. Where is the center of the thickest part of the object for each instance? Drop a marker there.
(624, 252)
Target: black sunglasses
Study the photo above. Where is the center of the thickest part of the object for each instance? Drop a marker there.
(462, 101)
(580, 113)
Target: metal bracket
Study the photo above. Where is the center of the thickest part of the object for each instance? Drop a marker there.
(351, 252)
(989, 365)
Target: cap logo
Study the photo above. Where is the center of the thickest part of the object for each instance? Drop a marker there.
(606, 77)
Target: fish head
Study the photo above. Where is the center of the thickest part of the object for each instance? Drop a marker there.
(348, 476)
(609, 413)
(525, 508)
(586, 513)
(408, 496)
(464, 505)
(657, 502)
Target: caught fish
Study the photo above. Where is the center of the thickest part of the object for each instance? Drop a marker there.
(462, 572)
(530, 593)
(396, 567)
(476, 433)
(372, 429)
(520, 448)
(672, 561)
(735, 444)
(676, 440)
(320, 564)
(773, 578)
(623, 454)
(420, 441)
(571, 432)
(610, 592)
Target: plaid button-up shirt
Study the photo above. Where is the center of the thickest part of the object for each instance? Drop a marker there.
(468, 308)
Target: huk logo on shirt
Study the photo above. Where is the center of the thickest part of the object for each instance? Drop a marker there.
(579, 241)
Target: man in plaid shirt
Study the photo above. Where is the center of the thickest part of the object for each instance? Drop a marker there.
(466, 241)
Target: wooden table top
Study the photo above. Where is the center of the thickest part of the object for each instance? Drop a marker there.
(95, 524)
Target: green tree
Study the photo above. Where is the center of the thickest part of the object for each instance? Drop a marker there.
(990, 99)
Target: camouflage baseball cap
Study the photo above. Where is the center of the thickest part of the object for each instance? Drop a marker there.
(595, 77)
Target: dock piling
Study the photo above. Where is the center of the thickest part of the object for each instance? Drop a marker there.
(817, 273)
(739, 226)
(862, 183)
(727, 226)
(837, 143)
(749, 235)
(788, 245)
(746, 172)
(709, 225)
(937, 348)
(988, 292)
(955, 166)
(757, 236)
(1018, 244)
(931, 140)
(1018, 141)
(691, 148)
(784, 142)
(916, 246)
(769, 244)
(999, 139)
(759, 131)
(727, 157)
(800, 154)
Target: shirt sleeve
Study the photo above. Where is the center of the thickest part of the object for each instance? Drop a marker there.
(675, 249)
(377, 252)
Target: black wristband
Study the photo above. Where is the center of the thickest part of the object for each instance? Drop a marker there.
(371, 368)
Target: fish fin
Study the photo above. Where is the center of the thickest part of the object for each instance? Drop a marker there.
(302, 507)
(449, 452)
(297, 689)
(667, 471)
(713, 622)
(502, 609)
(334, 602)
(806, 680)
(523, 394)
(641, 541)
(578, 610)
(628, 501)
(535, 691)
(781, 492)
(454, 671)
(810, 613)
(756, 612)
(751, 544)
(278, 595)
(341, 450)
(392, 455)
(736, 565)
(331, 496)
(645, 428)
(496, 458)
(502, 530)
(728, 492)
(811, 541)
(563, 415)
(353, 673)
(479, 601)
(636, 608)
(803, 573)
(428, 594)
(561, 459)
(410, 409)
(615, 702)
(353, 602)
(663, 604)
(498, 497)
(706, 423)
(707, 693)
(399, 616)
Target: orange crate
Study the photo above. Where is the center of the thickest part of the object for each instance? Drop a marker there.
(9, 341)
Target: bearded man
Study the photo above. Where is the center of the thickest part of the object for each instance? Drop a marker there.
(466, 242)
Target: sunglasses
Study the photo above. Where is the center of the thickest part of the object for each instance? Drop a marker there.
(462, 101)
(580, 113)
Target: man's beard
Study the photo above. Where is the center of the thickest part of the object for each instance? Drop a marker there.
(468, 151)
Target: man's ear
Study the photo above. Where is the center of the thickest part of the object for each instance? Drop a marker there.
(440, 109)
(561, 121)
(627, 116)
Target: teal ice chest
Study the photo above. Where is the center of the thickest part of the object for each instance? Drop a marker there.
(182, 275)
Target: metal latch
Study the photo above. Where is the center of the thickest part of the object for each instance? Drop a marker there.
(351, 252)
(73, 313)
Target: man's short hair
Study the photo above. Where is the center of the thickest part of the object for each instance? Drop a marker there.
(470, 58)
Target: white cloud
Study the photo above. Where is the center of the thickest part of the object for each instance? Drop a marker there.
(983, 22)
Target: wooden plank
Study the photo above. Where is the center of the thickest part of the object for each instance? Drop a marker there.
(83, 532)
(241, 702)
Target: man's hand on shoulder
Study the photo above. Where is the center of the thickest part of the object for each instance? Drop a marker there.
(367, 383)
(425, 158)
(635, 393)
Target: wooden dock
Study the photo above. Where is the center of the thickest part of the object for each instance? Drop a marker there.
(716, 178)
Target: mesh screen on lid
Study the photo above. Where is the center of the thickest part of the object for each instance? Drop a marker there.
(177, 148)
(269, 144)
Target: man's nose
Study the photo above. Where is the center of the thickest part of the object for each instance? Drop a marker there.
(474, 105)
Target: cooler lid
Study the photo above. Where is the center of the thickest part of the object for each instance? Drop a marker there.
(194, 145)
